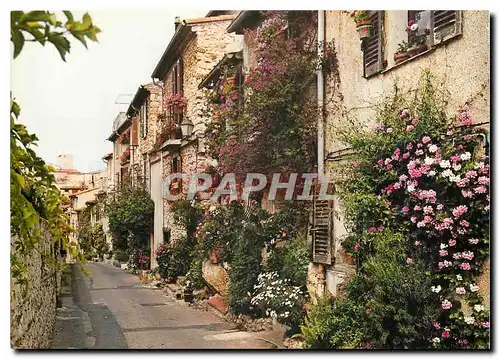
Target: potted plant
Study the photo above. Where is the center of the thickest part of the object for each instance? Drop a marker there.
(402, 54)
(125, 156)
(177, 102)
(417, 43)
(364, 24)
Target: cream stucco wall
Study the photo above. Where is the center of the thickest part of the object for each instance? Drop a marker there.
(460, 67)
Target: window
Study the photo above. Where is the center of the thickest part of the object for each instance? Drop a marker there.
(372, 46)
(434, 28)
(176, 184)
(178, 75)
(177, 88)
(166, 235)
(144, 119)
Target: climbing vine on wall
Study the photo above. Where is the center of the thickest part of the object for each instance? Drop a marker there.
(35, 199)
(274, 128)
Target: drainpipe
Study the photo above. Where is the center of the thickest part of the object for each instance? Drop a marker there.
(321, 133)
(321, 95)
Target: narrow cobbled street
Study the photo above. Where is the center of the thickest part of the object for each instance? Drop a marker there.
(111, 309)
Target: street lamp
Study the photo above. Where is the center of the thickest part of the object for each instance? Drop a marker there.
(186, 127)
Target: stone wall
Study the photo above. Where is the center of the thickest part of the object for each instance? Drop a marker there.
(201, 54)
(155, 108)
(33, 307)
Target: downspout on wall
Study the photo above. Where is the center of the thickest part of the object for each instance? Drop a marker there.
(321, 95)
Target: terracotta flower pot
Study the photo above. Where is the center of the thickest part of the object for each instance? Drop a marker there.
(416, 49)
(420, 48)
(231, 80)
(364, 28)
(400, 57)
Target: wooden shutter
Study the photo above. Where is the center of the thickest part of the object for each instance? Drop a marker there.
(445, 24)
(322, 229)
(141, 127)
(133, 134)
(372, 46)
(145, 110)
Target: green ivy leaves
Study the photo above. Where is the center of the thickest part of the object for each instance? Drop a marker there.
(35, 199)
(43, 26)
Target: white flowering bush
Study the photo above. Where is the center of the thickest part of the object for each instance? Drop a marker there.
(274, 297)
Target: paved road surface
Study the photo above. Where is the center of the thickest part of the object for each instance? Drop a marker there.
(110, 309)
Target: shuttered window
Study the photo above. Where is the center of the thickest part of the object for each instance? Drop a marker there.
(372, 46)
(143, 113)
(322, 229)
(133, 132)
(177, 87)
(445, 24)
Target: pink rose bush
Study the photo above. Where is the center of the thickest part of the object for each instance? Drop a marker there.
(439, 194)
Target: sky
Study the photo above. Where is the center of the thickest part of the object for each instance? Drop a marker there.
(71, 106)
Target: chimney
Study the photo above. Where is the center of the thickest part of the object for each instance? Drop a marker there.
(177, 22)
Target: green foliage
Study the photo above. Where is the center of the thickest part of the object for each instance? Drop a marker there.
(291, 261)
(130, 213)
(195, 273)
(43, 26)
(402, 307)
(175, 259)
(412, 201)
(187, 215)
(246, 256)
(334, 324)
(91, 239)
(121, 256)
(35, 200)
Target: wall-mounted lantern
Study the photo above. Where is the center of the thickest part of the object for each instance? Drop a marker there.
(186, 127)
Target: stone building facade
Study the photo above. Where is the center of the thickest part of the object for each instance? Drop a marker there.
(358, 88)
(197, 46)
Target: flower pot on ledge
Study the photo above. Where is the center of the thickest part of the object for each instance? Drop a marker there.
(416, 49)
(400, 57)
(364, 28)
